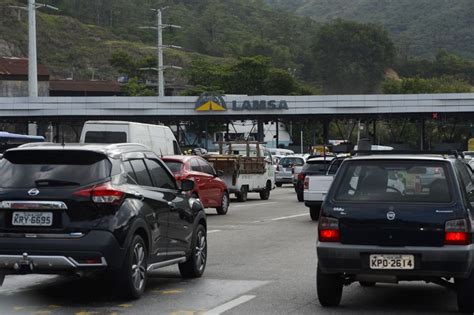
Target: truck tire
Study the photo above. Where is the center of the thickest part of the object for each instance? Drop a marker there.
(465, 291)
(329, 287)
(224, 207)
(196, 264)
(278, 184)
(265, 194)
(314, 212)
(242, 195)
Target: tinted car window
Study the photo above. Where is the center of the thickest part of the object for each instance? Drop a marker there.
(195, 166)
(465, 176)
(131, 178)
(161, 178)
(287, 162)
(334, 166)
(206, 167)
(394, 181)
(316, 167)
(105, 137)
(143, 178)
(35, 168)
(174, 166)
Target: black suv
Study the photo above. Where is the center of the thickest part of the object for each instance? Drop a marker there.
(113, 209)
(392, 218)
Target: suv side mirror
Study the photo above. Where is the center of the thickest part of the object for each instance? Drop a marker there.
(187, 185)
(219, 173)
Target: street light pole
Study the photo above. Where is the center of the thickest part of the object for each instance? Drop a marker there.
(161, 77)
(32, 63)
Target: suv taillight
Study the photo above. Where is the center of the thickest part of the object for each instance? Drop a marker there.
(306, 183)
(457, 233)
(329, 230)
(102, 194)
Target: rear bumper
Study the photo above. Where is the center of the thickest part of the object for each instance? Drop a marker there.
(283, 180)
(314, 196)
(94, 251)
(447, 261)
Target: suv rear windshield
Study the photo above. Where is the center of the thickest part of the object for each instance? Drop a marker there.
(317, 167)
(394, 181)
(174, 166)
(287, 162)
(61, 168)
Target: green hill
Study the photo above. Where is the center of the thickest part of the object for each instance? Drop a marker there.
(419, 27)
(82, 36)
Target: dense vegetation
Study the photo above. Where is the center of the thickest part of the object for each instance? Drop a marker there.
(419, 27)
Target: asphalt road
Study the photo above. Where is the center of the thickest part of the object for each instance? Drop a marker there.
(262, 260)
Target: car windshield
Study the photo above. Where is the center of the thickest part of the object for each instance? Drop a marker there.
(26, 169)
(394, 181)
(288, 162)
(174, 166)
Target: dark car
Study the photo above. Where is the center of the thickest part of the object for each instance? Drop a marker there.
(210, 189)
(113, 209)
(381, 223)
(313, 166)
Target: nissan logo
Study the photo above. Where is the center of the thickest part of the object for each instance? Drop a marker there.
(33, 192)
(391, 216)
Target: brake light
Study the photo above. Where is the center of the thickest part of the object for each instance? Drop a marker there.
(329, 230)
(102, 194)
(457, 233)
(306, 183)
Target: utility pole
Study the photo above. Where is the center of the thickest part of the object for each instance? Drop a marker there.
(32, 63)
(161, 67)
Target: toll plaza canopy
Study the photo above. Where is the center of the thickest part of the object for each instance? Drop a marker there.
(235, 106)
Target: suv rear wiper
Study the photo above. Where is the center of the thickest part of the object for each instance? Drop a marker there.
(55, 182)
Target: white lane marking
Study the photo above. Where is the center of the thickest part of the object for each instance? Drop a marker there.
(254, 204)
(290, 217)
(230, 305)
(213, 231)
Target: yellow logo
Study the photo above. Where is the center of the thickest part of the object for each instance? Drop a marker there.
(210, 102)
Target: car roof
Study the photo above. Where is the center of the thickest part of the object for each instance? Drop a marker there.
(321, 158)
(107, 149)
(422, 157)
(292, 157)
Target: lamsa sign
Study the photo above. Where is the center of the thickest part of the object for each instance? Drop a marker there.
(259, 105)
(215, 102)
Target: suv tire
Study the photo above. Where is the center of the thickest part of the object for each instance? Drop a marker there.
(465, 290)
(224, 207)
(329, 287)
(242, 195)
(132, 277)
(367, 284)
(314, 212)
(278, 184)
(196, 264)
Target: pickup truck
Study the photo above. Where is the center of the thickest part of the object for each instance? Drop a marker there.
(314, 166)
(317, 186)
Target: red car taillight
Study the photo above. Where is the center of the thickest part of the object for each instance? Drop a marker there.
(306, 183)
(102, 194)
(329, 230)
(457, 233)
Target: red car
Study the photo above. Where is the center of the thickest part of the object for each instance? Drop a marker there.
(209, 188)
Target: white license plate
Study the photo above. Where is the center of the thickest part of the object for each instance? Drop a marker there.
(32, 219)
(392, 262)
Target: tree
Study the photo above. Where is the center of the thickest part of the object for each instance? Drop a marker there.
(352, 57)
(248, 75)
(279, 82)
(422, 86)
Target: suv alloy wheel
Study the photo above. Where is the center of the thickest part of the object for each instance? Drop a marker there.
(196, 263)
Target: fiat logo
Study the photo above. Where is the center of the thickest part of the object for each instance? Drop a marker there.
(391, 216)
(33, 192)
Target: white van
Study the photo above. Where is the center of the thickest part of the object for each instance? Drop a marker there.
(283, 152)
(158, 138)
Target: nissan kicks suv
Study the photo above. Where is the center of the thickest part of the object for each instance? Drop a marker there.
(391, 218)
(112, 209)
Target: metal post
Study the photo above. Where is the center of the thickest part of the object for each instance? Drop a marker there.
(277, 133)
(260, 131)
(301, 139)
(161, 77)
(423, 135)
(374, 136)
(32, 63)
